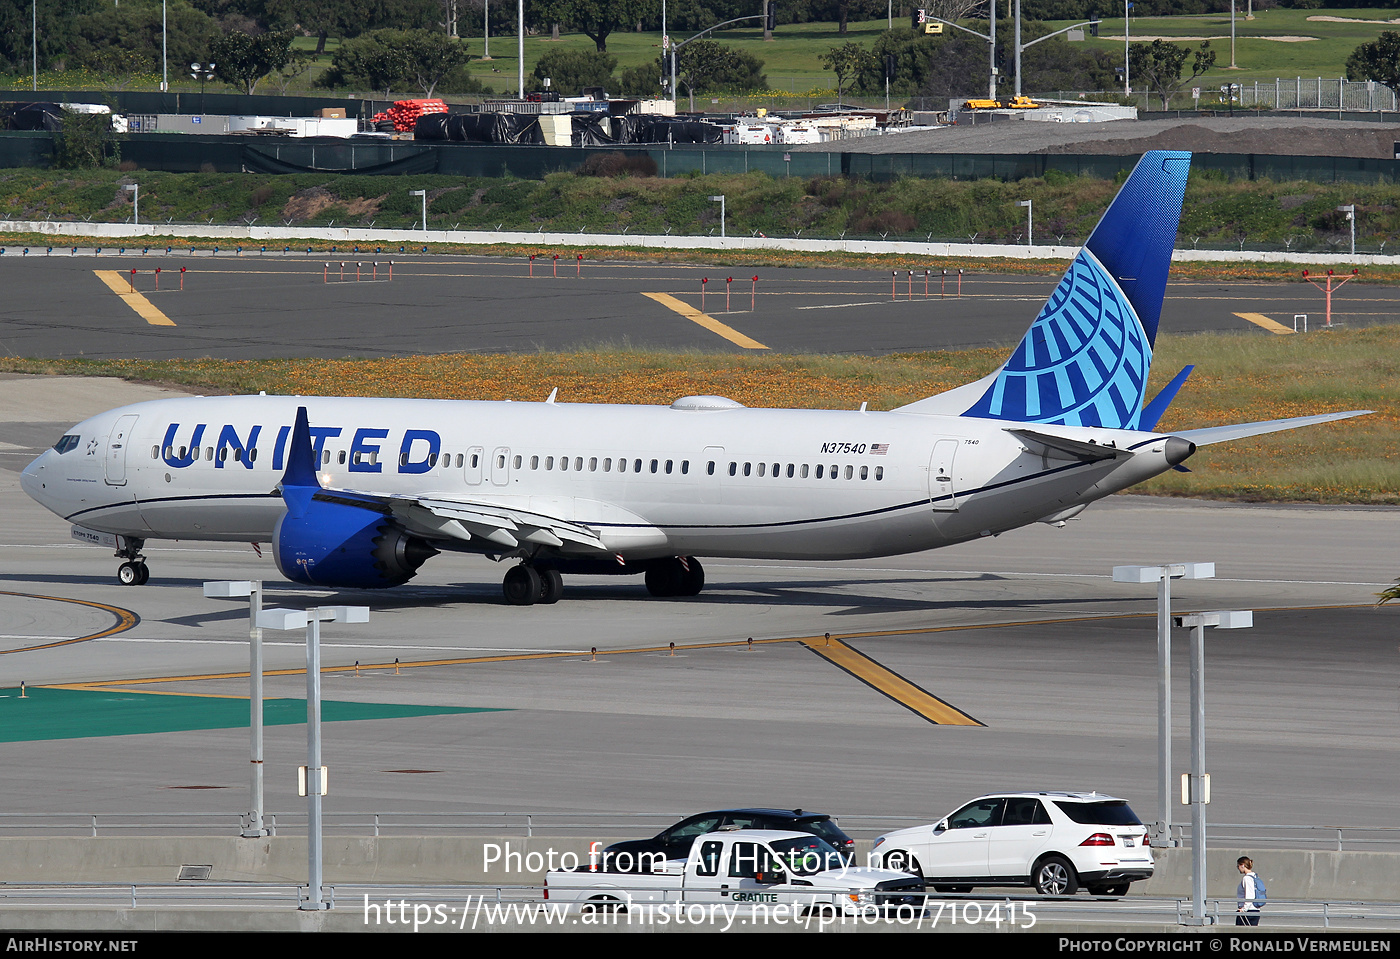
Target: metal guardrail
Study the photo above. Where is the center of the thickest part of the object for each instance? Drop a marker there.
(529, 824)
(524, 905)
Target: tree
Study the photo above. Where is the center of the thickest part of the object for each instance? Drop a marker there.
(127, 39)
(569, 71)
(243, 60)
(707, 66)
(1378, 60)
(848, 61)
(384, 59)
(596, 19)
(1159, 66)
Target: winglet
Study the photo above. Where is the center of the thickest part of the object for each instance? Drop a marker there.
(299, 482)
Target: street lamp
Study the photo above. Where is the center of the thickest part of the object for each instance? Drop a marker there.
(1195, 788)
(135, 190)
(1029, 220)
(1163, 576)
(424, 195)
(1350, 211)
(720, 201)
(253, 590)
(202, 72)
(313, 775)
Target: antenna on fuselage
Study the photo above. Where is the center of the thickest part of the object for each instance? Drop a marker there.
(552, 394)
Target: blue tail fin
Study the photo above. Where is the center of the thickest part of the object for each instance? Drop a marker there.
(1085, 359)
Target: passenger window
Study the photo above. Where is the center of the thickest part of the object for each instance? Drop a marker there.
(636, 466)
(578, 462)
(459, 460)
(804, 470)
(403, 459)
(865, 472)
(253, 455)
(710, 469)
(879, 473)
(549, 462)
(208, 452)
(238, 454)
(748, 469)
(155, 450)
(761, 468)
(223, 454)
(835, 471)
(592, 464)
(563, 462)
(732, 468)
(517, 462)
(622, 465)
(685, 467)
(790, 471)
(819, 471)
(534, 462)
(668, 466)
(777, 469)
(653, 466)
(849, 471)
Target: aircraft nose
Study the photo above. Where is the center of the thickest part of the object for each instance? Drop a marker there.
(31, 478)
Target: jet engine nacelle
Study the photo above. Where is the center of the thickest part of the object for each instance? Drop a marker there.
(333, 544)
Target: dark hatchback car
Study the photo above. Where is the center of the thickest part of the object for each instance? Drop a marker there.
(675, 842)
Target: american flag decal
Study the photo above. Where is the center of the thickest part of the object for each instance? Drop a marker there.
(879, 449)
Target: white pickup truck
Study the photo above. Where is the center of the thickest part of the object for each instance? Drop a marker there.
(754, 869)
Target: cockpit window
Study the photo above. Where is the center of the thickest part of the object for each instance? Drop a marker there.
(69, 442)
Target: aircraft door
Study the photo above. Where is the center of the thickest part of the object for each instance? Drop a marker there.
(942, 495)
(500, 466)
(117, 444)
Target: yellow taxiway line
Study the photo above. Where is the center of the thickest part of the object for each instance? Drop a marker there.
(1259, 319)
(705, 320)
(884, 680)
(119, 285)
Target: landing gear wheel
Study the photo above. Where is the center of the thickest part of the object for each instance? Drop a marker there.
(692, 579)
(551, 586)
(1054, 876)
(675, 577)
(130, 574)
(521, 586)
(145, 574)
(663, 578)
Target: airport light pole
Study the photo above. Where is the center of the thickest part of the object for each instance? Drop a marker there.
(424, 195)
(1163, 576)
(1195, 788)
(720, 200)
(312, 780)
(253, 589)
(135, 190)
(1029, 220)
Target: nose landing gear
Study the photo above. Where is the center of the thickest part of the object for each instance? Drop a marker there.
(134, 571)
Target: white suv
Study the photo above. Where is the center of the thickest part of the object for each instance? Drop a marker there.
(1052, 841)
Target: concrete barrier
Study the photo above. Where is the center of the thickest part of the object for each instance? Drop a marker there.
(1288, 873)
(279, 235)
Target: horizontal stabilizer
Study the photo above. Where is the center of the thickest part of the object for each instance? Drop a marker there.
(1075, 449)
(1222, 434)
(1152, 412)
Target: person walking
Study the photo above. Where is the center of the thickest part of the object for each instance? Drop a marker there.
(1251, 894)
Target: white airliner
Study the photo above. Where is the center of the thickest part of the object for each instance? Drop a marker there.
(359, 493)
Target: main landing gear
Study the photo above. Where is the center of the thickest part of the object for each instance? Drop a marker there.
(134, 571)
(525, 585)
(675, 576)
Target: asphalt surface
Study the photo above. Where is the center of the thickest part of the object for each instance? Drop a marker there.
(1026, 633)
(255, 306)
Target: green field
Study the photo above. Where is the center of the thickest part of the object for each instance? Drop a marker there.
(792, 66)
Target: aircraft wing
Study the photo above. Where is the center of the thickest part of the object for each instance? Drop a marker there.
(505, 526)
(1221, 434)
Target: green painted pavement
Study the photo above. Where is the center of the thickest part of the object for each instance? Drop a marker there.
(79, 713)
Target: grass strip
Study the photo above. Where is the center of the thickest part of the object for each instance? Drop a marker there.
(1239, 378)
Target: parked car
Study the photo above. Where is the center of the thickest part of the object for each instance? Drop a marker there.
(1054, 842)
(675, 842)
